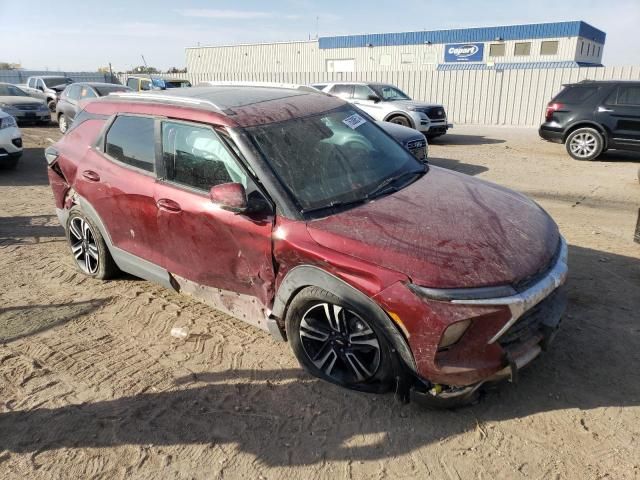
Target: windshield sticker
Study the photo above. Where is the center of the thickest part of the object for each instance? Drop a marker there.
(354, 121)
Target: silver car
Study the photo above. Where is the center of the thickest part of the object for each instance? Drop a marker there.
(390, 104)
(24, 108)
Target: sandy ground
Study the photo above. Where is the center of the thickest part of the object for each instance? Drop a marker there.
(92, 385)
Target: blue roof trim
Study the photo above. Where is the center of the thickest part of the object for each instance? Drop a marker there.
(466, 35)
(514, 66)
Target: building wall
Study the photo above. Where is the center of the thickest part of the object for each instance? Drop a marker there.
(515, 97)
(308, 57)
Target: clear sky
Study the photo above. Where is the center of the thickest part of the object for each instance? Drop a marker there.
(87, 34)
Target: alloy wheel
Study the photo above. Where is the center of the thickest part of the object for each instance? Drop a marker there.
(583, 145)
(83, 245)
(62, 123)
(340, 343)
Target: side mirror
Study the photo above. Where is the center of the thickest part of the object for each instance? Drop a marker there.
(40, 87)
(374, 98)
(229, 196)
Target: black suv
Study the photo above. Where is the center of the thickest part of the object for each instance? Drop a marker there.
(591, 117)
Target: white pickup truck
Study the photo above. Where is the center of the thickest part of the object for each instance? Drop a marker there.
(47, 88)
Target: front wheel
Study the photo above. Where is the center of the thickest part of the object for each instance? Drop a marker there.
(585, 144)
(338, 343)
(400, 120)
(63, 123)
(52, 105)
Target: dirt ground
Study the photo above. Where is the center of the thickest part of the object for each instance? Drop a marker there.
(92, 385)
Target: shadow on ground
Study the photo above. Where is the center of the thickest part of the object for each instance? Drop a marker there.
(31, 170)
(285, 417)
(21, 321)
(619, 156)
(457, 139)
(457, 165)
(29, 230)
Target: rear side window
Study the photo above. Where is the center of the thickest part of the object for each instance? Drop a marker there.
(131, 140)
(576, 94)
(73, 92)
(342, 91)
(629, 95)
(132, 83)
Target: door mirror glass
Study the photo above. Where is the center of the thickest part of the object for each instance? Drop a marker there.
(229, 196)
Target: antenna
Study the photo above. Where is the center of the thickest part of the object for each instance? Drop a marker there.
(317, 26)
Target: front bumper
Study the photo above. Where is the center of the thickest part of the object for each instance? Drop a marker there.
(505, 334)
(10, 143)
(29, 115)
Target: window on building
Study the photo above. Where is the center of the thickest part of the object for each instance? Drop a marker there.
(522, 49)
(496, 50)
(194, 156)
(131, 140)
(629, 95)
(341, 65)
(407, 58)
(598, 51)
(429, 58)
(588, 49)
(581, 47)
(549, 47)
(385, 60)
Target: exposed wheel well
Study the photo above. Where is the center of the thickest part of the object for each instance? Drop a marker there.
(595, 126)
(395, 115)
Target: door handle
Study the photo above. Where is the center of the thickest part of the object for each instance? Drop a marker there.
(168, 205)
(91, 176)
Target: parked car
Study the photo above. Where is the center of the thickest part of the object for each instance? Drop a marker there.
(381, 272)
(10, 141)
(390, 104)
(70, 101)
(144, 83)
(409, 138)
(592, 117)
(49, 86)
(24, 108)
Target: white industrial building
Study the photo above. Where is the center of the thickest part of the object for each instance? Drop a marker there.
(544, 45)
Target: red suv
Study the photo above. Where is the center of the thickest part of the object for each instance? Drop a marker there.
(293, 211)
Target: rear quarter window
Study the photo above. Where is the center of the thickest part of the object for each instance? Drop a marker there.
(576, 94)
(131, 140)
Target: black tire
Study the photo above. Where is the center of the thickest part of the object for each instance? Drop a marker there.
(98, 264)
(400, 120)
(585, 144)
(52, 105)
(63, 123)
(347, 356)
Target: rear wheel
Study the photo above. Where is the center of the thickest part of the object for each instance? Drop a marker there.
(400, 120)
(585, 144)
(338, 343)
(88, 248)
(52, 105)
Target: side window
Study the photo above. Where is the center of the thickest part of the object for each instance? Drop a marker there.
(551, 48)
(73, 92)
(131, 140)
(86, 92)
(196, 157)
(145, 84)
(40, 84)
(132, 83)
(31, 83)
(362, 92)
(629, 95)
(342, 91)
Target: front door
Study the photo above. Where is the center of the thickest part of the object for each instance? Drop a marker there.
(362, 97)
(201, 242)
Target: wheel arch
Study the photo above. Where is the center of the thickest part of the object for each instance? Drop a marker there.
(399, 113)
(587, 124)
(310, 276)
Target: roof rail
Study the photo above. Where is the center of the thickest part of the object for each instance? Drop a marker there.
(288, 86)
(166, 98)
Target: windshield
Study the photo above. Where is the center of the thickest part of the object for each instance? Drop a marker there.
(333, 158)
(106, 90)
(55, 81)
(11, 91)
(388, 93)
(177, 83)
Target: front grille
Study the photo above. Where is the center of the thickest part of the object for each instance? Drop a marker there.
(547, 312)
(27, 107)
(435, 113)
(17, 142)
(418, 149)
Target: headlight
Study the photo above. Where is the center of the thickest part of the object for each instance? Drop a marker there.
(7, 122)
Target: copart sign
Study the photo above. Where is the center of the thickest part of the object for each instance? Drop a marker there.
(464, 52)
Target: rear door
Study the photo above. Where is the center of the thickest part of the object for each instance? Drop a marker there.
(621, 112)
(199, 241)
(85, 93)
(118, 180)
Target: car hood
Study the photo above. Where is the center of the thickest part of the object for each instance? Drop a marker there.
(16, 100)
(446, 230)
(401, 133)
(413, 103)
